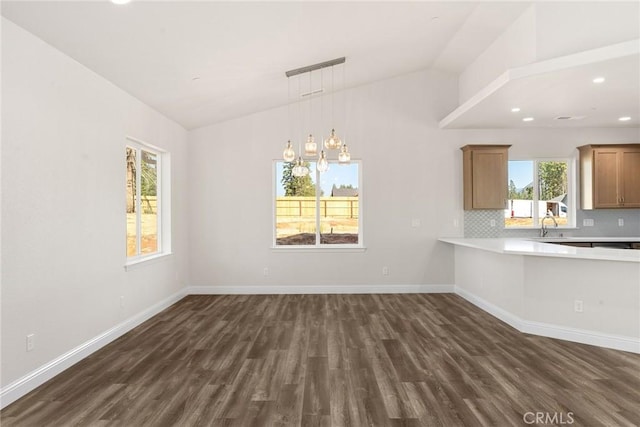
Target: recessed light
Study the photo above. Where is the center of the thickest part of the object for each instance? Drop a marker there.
(515, 109)
(598, 80)
(624, 119)
(527, 119)
(120, 1)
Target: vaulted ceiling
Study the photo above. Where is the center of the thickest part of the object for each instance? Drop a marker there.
(204, 62)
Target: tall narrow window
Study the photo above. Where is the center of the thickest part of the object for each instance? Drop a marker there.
(320, 209)
(539, 188)
(144, 200)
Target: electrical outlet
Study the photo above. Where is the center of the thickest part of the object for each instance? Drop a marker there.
(577, 306)
(385, 271)
(456, 223)
(620, 222)
(492, 223)
(265, 271)
(587, 222)
(121, 300)
(415, 222)
(31, 342)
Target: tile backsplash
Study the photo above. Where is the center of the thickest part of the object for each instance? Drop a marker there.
(480, 223)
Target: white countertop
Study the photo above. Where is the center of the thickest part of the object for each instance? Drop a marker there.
(534, 247)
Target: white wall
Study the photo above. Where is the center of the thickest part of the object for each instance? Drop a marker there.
(496, 278)
(63, 204)
(536, 295)
(513, 48)
(610, 292)
(410, 170)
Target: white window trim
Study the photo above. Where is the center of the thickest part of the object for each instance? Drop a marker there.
(319, 247)
(571, 191)
(163, 188)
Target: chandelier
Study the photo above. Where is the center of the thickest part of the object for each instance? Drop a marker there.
(332, 142)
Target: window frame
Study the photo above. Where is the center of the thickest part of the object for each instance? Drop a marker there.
(163, 202)
(571, 191)
(318, 246)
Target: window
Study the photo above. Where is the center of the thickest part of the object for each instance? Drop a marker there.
(319, 210)
(538, 188)
(145, 170)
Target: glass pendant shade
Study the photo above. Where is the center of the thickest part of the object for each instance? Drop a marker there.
(323, 164)
(344, 156)
(333, 142)
(310, 147)
(288, 154)
(300, 170)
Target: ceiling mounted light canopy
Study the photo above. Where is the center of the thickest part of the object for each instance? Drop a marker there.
(332, 142)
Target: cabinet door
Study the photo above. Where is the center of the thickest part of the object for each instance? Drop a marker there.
(605, 178)
(630, 177)
(489, 179)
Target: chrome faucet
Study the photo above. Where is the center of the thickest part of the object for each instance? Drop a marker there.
(543, 229)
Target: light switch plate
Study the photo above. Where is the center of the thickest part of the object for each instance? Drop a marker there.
(587, 222)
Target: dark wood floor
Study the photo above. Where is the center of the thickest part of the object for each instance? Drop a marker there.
(320, 360)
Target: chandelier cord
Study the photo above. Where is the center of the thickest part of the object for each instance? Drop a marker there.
(344, 106)
(333, 105)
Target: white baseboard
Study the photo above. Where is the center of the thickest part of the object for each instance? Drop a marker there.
(616, 342)
(507, 317)
(582, 336)
(24, 385)
(319, 289)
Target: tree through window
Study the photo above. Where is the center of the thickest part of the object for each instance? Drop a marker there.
(144, 202)
(538, 188)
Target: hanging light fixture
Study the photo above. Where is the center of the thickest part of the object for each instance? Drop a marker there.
(300, 170)
(323, 163)
(310, 147)
(288, 154)
(332, 142)
(344, 157)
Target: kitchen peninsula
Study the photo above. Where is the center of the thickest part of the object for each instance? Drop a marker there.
(581, 294)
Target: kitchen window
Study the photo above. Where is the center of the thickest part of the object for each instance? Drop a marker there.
(320, 210)
(539, 188)
(147, 201)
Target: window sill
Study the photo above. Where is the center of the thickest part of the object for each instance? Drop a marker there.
(318, 249)
(136, 263)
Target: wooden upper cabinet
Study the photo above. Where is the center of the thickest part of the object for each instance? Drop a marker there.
(630, 177)
(610, 176)
(485, 176)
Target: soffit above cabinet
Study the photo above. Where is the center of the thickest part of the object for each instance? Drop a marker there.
(560, 93)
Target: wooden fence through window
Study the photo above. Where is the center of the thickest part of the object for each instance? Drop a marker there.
(332, 207)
